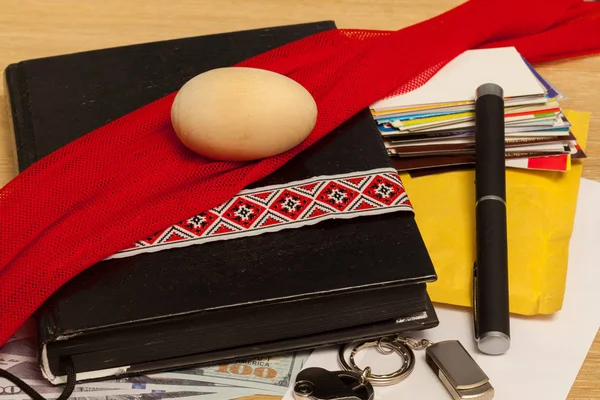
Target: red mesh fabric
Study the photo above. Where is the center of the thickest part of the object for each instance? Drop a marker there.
(577, 35)
(132, 177)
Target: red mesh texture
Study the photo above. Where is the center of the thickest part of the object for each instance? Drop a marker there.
(132, 177)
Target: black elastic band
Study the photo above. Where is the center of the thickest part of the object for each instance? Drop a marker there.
(67, 391)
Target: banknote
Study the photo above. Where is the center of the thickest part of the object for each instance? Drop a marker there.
(88, 393)
(169, 396)
(9, 361)
(135, 387)
(123, 389)
(29, 372)
(268, 374)
(262, 375)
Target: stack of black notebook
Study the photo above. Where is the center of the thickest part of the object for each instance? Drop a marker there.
(336, 281)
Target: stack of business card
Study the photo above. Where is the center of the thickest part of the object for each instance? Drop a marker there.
(434, 126)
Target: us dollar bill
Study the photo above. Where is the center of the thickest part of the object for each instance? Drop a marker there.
(138, 387)
(269, 374)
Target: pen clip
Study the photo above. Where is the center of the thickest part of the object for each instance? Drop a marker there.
(474, 302)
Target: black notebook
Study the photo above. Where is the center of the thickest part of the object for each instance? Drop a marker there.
(185, 303)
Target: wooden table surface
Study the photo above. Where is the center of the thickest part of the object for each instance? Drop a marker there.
(37, 28)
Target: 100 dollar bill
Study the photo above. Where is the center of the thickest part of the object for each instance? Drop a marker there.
(268, 374)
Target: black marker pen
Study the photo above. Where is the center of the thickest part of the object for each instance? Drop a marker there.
(490, 283)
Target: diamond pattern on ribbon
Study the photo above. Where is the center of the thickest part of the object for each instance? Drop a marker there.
(273, 208)
(336, 195)
(383, 190)
(200, 223)
(243, 212)
(290, 204)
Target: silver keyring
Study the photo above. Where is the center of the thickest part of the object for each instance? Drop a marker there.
(408, 361)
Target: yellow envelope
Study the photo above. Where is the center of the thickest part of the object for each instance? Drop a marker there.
(541, 212)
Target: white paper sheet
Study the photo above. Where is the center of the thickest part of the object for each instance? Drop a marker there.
(458, 80)
(546, 351)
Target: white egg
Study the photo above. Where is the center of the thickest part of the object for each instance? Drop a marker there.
(242, 114)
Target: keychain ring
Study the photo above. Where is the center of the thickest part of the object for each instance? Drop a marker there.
(408, 361)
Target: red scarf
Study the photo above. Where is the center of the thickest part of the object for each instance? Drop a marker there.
(132, 177)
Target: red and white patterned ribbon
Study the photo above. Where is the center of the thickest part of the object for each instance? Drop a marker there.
(291, 205)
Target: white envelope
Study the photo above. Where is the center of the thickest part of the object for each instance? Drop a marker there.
(458, 80)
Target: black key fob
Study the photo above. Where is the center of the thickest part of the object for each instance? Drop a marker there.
(321, 384)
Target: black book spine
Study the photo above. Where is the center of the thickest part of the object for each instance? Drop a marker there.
(20, 121)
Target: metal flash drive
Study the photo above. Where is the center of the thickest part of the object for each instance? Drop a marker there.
(457, 370)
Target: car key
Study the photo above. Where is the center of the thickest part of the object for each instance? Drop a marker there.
(321, 384)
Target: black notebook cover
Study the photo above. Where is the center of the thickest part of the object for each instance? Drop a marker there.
(335, 281)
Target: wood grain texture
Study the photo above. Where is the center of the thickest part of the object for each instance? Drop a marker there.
(36, 28)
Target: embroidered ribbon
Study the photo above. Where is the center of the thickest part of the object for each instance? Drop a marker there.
(287, 206)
